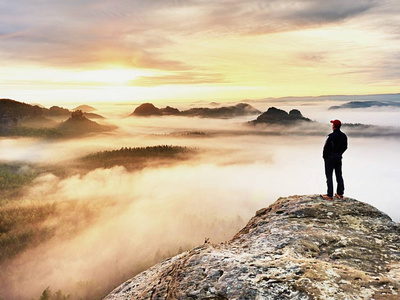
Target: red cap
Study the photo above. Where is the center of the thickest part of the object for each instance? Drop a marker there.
(336, 123)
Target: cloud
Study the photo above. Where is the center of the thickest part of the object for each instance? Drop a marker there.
(82, 34)
(134, 33)
(261, 46)
(124, 219)
(263, 17)
(327, 11)
(391, 67)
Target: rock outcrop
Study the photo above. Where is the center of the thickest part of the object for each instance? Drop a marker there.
(278, 116)
(300, 247)
(78, 124)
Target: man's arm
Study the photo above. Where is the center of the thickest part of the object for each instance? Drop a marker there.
(327, 147)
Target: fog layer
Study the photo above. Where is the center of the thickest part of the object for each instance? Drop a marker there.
(116, 222)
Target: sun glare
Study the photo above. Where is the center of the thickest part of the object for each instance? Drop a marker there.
(49, 77)
(109, 76)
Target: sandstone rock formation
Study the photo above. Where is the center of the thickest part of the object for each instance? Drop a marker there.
(278, 116)
(300, 247)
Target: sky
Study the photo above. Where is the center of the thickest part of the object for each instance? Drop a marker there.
(158, 50)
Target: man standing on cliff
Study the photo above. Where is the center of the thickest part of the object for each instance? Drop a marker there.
(335, 146)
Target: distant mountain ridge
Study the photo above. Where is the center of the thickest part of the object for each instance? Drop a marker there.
(22, 111)
(395, 97)
(241, 109)
(22, 119)
(365, 104)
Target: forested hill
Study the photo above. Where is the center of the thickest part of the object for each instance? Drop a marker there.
(21, 111)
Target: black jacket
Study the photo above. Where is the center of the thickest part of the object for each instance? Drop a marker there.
(335, 145)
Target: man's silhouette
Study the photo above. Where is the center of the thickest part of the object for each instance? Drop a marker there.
(335, 146)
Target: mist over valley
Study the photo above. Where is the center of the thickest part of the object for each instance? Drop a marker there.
(148, 133)
(83, 212)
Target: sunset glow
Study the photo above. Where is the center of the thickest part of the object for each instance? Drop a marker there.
(159, 50)
(139, 137)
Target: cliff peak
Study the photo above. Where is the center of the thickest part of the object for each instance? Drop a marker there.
(300, 247)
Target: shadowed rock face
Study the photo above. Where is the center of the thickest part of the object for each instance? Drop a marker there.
(300, 247)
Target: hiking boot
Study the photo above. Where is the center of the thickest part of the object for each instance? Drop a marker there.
(326, 197)
(339, 196)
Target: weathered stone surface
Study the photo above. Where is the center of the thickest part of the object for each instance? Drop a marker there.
(300, 247)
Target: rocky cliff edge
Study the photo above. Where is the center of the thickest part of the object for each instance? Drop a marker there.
(300, 247)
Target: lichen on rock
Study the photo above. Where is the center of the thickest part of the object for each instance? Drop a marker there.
(300, 247)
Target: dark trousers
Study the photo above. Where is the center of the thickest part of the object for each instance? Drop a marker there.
(330, 165)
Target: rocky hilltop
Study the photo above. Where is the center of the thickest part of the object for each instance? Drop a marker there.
(278, 116)
(78, 124)
(148, 109)
(23, 112)
(300, 247)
